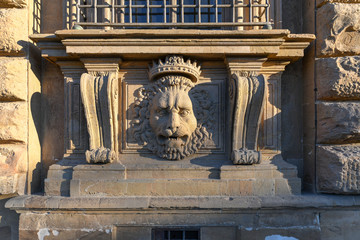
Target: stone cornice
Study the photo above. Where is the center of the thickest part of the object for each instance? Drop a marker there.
(149, 44)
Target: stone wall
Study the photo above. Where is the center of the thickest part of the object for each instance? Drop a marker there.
(337, 75)
(19, 108)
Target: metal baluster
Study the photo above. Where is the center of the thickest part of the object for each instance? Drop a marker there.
(233, 8)
(112, 11)
(182, 11)
(164, 3)
(267, 11)
(73, 10)
(95, 11)
(78, 11)
(173, 11)
(122, 12)
(250, 11)
(107, 14)
(199, 11)
(130, 11)
(216, 11)
(147, 11)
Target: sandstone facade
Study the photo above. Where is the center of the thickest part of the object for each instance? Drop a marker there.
(338, 122)
(339, 172)
(13, 122)
(337, 82)
(56, 120)
(338, 78)
(14, 31)
(18, 78)
(12, 74)
(13, 3)
(338, 27)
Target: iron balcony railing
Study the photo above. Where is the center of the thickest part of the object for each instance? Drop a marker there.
(108, 14)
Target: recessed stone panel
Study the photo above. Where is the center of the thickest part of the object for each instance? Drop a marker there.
(338, 122)
(338, 169)
(211, 87)
(338, 31)
(338, 78)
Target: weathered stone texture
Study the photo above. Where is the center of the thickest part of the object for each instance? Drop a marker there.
(338, 29)
(338, 169)
(13, 119)
(320, 3)
(13, 30)
(13, 157)
(12, 169)
(338, 122)
(13, 79)
(12, 184)
(338, 78)
(340, 225)
(9, 222)
(12, 3)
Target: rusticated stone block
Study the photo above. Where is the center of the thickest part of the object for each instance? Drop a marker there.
(338, 29)
(13, 167)
(12, 3)
(320, 3)
(13, 83)
(338, 122)
(338, 78)
(13, 158)
(12, 184)
(13, 30)
(13, 122)
(338, 169)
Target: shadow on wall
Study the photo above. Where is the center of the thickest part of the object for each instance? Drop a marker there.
(9, 222)
(35, 106)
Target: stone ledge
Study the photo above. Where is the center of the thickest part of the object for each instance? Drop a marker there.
(278, 44)
(44, 203)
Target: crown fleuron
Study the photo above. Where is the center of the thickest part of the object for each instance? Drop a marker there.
(175, 65)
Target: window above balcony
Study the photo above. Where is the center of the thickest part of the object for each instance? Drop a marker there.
(195, 14)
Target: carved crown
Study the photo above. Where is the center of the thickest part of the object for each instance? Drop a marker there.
(175, 65)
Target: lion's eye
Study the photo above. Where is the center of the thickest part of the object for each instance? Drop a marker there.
(161, 111)
(184, 112)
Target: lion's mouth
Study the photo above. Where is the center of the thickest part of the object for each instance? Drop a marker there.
(172, 141)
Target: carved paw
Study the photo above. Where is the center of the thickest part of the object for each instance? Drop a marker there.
(100, 155)
(245, 157)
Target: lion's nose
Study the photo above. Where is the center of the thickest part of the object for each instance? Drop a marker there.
(173, 122)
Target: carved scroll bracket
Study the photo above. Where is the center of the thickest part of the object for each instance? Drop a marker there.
(246, 91)
(100, 96)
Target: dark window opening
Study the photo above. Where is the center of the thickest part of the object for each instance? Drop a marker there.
(176, 234)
